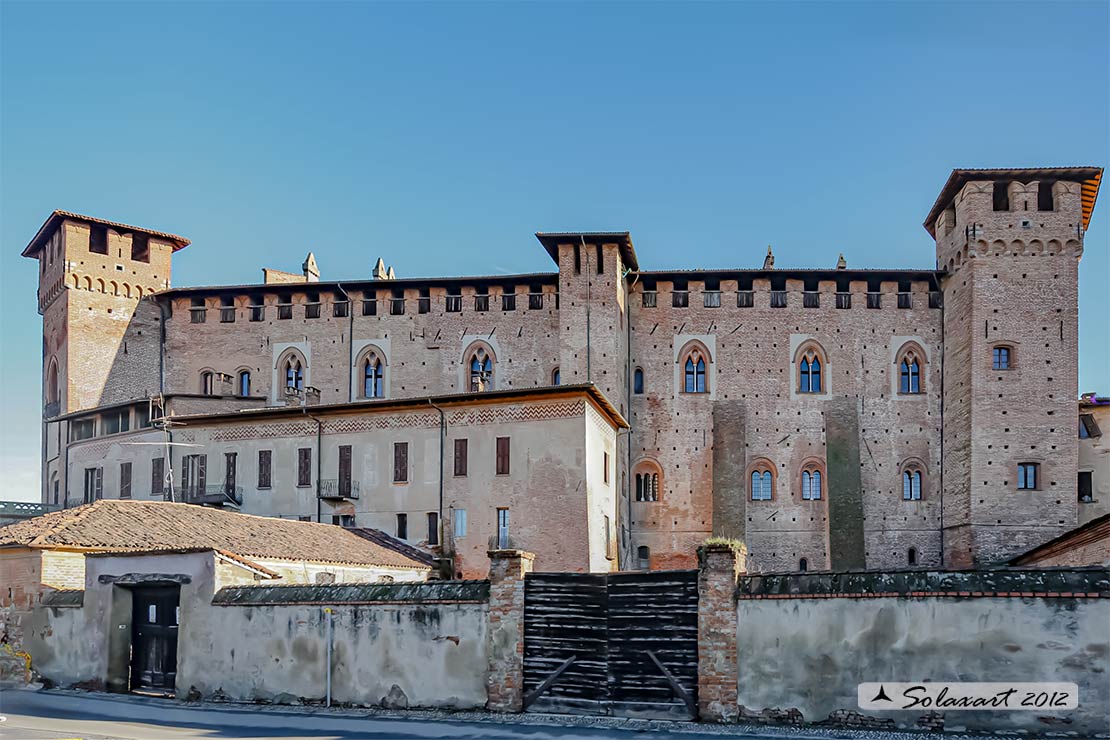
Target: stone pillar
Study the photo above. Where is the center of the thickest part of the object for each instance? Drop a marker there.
(505, 636)
(718, 672)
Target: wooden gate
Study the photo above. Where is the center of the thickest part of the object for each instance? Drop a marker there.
(622, 644)
(154, 638)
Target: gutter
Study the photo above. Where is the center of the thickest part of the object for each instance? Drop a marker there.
(442, 444)
(350, 343)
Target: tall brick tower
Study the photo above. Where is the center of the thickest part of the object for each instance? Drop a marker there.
(1009, 241)
(100, 339)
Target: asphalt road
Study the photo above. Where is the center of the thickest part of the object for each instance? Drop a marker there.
(51, 716)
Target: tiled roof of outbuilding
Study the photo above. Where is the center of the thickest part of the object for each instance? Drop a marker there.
(160, 526)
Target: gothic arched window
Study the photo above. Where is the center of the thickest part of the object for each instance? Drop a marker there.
(372, 377)
(481, 371)
(694, 372)
(911, 484)
(294, 373)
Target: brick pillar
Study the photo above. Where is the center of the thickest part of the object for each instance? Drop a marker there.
(505, 637)
(718, 672)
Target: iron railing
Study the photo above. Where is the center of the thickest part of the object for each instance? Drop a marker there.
(219, 494)
(338, 488)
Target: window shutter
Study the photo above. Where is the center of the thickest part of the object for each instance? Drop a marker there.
(345, 469)
(304, 466)
(460, 456)
(157, 475)
(202, 473)
(502, 461)
(263, 468)
(400, 462)
(125, 480)
(99, 484)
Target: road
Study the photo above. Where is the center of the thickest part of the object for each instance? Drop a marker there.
(32, 715)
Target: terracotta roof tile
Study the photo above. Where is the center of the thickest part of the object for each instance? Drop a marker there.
(144, 526)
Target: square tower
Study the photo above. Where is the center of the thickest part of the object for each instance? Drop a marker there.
(1009, 242)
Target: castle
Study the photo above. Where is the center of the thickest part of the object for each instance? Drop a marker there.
(603, 415)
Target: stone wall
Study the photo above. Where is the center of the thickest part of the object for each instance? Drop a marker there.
(995, 626)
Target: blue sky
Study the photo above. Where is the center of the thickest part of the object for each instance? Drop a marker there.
(442, 136)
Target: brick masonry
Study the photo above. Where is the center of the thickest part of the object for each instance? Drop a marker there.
(505, 680)
(718, 670)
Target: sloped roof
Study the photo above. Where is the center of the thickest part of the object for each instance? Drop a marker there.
(1096, 530)
(148, 526)
(54, 219)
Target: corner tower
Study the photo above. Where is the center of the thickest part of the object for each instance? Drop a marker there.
(1009, 242)
(100, 339)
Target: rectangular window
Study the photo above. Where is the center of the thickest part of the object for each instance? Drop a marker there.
(460, 457)
(711, 299)
(257, 309)
(1085, 488)
(1000, 359)
(194, 475)
(1001, 199)
(397, 303)
(98, 239)
(502, 461)
(433, 528)
(454, 303)
(227, 310)
(264, 468)
(1044, 196)
(402, 526)
(116, 421)
(400, 462)
(369, 305)
(1028, 474)
(605, 472)
(94, 484)
(125, 480)
(157, 476)
(680, 298)
(811, 299)
(344, 470)
(304, 467)
(230, 464)
(198, 314)
(83, 429)
(535, 300)
(843, 300)
(424, 302)
(649, 298)
(460, 523)
(874, 300)
(610, 551)
(142, 416)
(285, 311)
(905, 300)
(340, 309)
(508, 301)
(502, 529)
(778, 299)
(312, 310)
(481, 302)
(745, 298)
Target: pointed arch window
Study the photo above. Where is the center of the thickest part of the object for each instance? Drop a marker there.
(481, 371)
(372, 377)
(911, 362)
(694, 372)
(809, 373)
(294, 373)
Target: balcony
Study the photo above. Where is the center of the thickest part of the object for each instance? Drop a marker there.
(338, 488)
(220, 494)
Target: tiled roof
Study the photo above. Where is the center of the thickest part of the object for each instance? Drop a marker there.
(383, 539)
(55, 218)
(145, 526)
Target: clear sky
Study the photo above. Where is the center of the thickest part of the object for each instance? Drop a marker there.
(442, 136)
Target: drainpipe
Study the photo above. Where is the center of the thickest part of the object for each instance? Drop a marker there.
(442, 442)
(319, 461)
(328, 613)
(350, 343)
(589, 299)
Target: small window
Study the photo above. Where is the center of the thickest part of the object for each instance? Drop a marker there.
(312, 306)
(680, 296)
(304, 467)
(508, 301)
(198, 313)
(453, 303)
(140, 247)
(605, 466)
(402, 526)
(1088, 427)
(227, 310)
(643, 557)
(481, 302)
(481, 371)
(647, 486)
(811, 485)
(555, 376)
(230, 471)
(433, 529)
(610, 551)
(1001, 358)
(285, 310)
(125, 480)
(909, 374)
(369, 304)
(341, 308)
(803, 565)
(424, 301)
(762, 485)
(502, 457)
(258, 308)
(911, 485)
(294, 373)
(400, 462)
(911, 556)
(397, 303)
(264, 457)
(372, 377)
(648, 299)
(98, 239)
(638, 381)
(1028, 476)
(207, 386)
(244, 383)
(535, 298)
(460, 523)
(1001, 200)
(461, 450)
(503, 529)
(1085, 488)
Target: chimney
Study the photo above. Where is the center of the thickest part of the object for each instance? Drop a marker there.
(769, 260)
(841, 263)
(379, 270)
(311, 271)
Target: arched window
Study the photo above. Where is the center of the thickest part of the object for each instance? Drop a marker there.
(910, 361)
(372, 377)
(638, 381)
(293, 371)
(763, 481)
(481, 371)
(646, 475)
(911, 484)
(207, 379)
(53, 389)
(694, 372)
(244, 383)
(811, 484)
(803, 565)
(643, 555)
(555, 376)
(809, 370)
(911, 556)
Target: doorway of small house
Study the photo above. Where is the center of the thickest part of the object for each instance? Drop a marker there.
(155, 611)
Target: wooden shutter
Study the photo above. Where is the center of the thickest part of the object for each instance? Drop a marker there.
(157, 475)
(125, 480)
(460, 456)
(400, 462)
(502, 455)
(304, 466)
(433, 528)
(263, 468)
(345, 469)
(229, 476)
(99, 488)
(202, 474)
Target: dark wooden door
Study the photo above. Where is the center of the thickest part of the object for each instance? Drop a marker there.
(154, 637)
(623, 644)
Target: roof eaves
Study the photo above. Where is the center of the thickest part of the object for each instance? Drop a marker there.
(179, 242)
